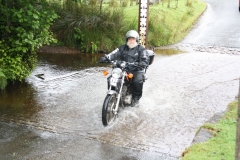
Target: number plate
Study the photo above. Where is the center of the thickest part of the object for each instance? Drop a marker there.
(113, 82)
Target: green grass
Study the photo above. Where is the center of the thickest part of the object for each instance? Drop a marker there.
(106, 31)
(177, 21)
(222, 145)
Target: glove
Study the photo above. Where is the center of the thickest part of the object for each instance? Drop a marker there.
(142, 64)
(103, 59)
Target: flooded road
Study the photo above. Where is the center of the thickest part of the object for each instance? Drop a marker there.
(56, 113)
(60, 113)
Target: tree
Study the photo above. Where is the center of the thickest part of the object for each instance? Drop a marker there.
(24, 27)
(169, 1)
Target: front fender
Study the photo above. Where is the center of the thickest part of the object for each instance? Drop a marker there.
(111, 92)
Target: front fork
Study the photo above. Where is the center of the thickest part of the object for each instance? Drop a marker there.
(119, 94)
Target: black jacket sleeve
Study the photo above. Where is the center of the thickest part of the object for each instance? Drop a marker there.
(115, 54)
(143, 58)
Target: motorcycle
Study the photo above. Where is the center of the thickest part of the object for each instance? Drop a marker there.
(119, 89)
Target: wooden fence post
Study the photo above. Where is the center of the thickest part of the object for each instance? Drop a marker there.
(237, 155)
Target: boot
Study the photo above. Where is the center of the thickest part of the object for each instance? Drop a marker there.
(135, 103)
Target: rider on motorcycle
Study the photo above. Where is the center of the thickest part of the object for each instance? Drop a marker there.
(131, 52)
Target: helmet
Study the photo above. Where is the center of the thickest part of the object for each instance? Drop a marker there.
(132, 34)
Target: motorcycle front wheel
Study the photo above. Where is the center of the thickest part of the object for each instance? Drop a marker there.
(108, 107)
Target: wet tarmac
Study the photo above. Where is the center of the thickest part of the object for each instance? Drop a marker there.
(21, 142)
(219, 25)
(58, 115)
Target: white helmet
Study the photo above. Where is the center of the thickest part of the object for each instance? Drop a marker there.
(132, 34)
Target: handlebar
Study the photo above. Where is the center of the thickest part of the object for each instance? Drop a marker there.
(124, 64)
(121, 64)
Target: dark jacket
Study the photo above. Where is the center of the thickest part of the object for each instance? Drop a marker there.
(136, 54)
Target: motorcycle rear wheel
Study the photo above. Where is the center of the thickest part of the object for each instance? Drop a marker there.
(108, 107)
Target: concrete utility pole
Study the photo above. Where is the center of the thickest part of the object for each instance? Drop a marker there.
(237, 155)
(143, 22)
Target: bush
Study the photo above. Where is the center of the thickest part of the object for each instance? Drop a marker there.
(3, 80)
(159, 32)
(24, 28)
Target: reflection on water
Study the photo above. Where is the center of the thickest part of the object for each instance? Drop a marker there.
(20, 100)
(69, 61)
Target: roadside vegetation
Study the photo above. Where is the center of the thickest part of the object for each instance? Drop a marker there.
(96, 26)
(223, 144)
(169, 21)
(24, 27)
(87, 25)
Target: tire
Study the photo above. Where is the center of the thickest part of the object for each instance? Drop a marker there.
(107, 110)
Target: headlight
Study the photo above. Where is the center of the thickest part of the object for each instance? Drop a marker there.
(117, 73)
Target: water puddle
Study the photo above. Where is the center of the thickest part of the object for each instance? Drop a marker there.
(69, 62)
(22, 101)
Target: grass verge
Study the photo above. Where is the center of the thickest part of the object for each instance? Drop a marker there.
(167, 25)
(222, 145)
(83, 26)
